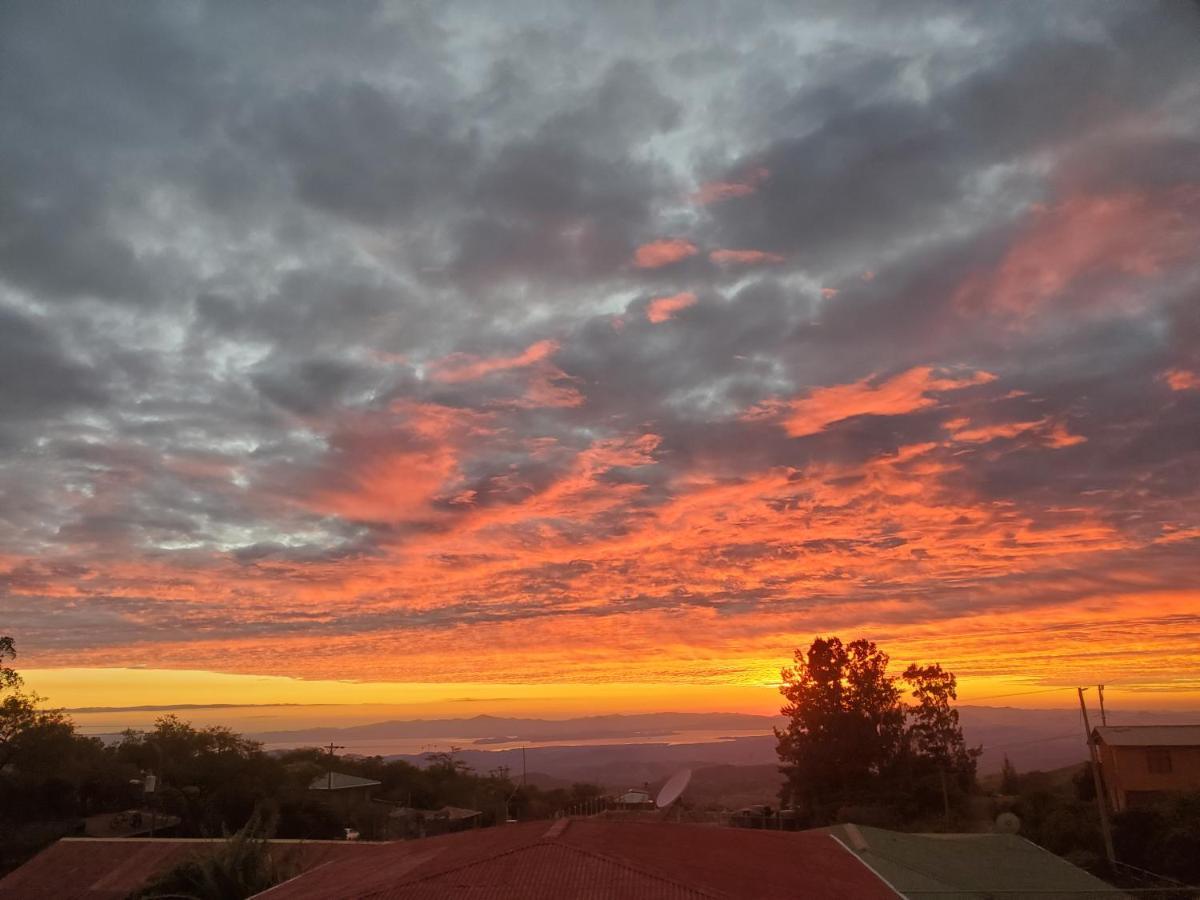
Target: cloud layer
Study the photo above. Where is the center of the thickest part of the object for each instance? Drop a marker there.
(399, 342)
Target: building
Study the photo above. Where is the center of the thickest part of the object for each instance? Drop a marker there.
(634, 798)
(1141, 763)
(615, 859)
(968, 866)
(407, 822)
(343, 792)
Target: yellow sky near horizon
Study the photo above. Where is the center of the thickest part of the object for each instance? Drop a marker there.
(76, 688)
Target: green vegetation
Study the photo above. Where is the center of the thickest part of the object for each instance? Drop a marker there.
(241, 866)
(212, 782)
(1058, 811)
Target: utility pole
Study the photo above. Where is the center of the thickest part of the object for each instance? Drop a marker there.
(1101, 799)
(1103, 715)
(332, 746)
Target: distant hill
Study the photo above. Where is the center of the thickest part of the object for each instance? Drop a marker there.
(618, 766)
(734, 787)
(1055, 781)
(624, 750)
(488, 729)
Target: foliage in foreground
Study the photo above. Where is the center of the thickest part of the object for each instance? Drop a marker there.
(241, 866)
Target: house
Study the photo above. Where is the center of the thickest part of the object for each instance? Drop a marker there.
(343, 792)
(634, 798)
(619, 858)
(1140, 763)
(408, 822)
(967, 866)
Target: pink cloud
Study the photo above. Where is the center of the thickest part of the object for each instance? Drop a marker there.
(1128, 234)
(662, 309)
(465, 367)
(664, 252)
(1181, 380)
(391, 468)
(904, 393)
(714, 191)
(1053, 435)
(743, 257)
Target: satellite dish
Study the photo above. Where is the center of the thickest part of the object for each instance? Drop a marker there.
(673, 788)
(1008, 823)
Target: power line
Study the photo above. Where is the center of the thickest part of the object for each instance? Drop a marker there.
(1041, 740)
(1018, 694)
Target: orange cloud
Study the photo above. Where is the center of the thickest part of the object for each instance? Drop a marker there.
(549, 387)
(1128, 234)
(1181, 380)
(393, 468)
(660, 253)
(743, 257)
(714, 191)
(662, 309)
(1053, 435)
(465, 367)
(904, 393)
(868, 538)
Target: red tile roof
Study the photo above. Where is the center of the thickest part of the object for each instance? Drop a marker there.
(596, 858)
(590, 858)
(545, 871)
(112, 868)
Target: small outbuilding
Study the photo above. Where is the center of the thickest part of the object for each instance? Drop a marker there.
(343, 792)
(1141, 763)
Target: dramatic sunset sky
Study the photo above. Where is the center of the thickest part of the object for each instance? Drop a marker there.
(425, 352)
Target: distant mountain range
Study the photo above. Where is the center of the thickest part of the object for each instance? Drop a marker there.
(497, 729)
(1030, 738)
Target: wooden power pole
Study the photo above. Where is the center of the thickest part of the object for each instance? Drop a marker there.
(1101, 799)
(332, 746)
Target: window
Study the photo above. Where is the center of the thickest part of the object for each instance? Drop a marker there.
(1158, 762)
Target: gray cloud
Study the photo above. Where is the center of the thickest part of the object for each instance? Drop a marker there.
(238, 244)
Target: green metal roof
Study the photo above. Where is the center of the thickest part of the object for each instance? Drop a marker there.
(969, 866)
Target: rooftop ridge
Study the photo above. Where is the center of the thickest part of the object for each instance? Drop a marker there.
(557, 828)
(560, 846)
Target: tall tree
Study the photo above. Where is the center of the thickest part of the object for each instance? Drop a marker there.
(10, 679)
(845, 721)
(851, 737)
(934, 731)
(24, 724)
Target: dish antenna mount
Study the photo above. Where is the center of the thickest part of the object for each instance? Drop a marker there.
(673, 788)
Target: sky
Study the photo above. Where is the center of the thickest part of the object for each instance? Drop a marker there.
(608, 351)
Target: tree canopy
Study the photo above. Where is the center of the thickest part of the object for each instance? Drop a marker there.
(851, 737)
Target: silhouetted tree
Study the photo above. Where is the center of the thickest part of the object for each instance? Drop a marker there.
(845, 721)
(211, 777)
(934, 734)
(1010, 782)
(9, 679)
(851, 738)
(26, 728)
